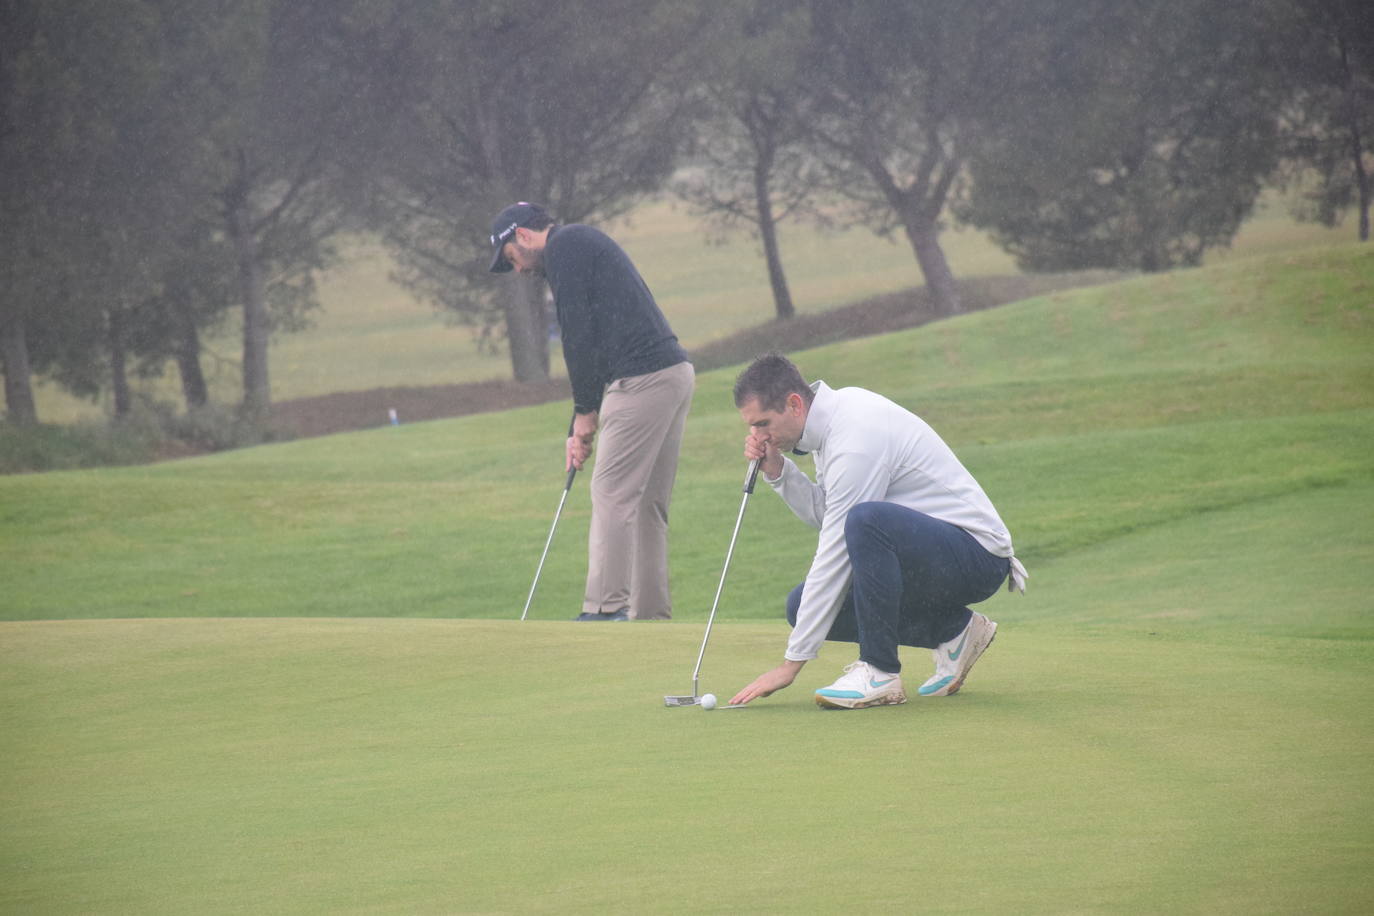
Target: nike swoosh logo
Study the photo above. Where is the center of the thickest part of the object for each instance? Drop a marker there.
(954, 656)
(874, 683)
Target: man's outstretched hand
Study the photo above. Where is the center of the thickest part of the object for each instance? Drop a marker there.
(768, 682)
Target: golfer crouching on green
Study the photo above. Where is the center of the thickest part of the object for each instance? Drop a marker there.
(907, 540)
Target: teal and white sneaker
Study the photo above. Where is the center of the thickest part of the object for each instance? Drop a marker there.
(862, 685)
(954, 659)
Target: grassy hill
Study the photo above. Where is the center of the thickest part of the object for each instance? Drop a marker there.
(1174, 718)
(1086, 414)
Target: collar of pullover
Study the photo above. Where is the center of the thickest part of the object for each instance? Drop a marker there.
(818, 418)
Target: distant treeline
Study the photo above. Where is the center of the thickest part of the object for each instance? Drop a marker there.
(163, 162)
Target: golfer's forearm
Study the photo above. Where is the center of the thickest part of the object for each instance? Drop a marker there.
(822, 594)
(580, 349)
(803, 497)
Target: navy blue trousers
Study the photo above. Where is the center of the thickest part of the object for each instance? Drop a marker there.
(914, 577)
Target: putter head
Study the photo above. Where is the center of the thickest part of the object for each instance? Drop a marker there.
(681, 701)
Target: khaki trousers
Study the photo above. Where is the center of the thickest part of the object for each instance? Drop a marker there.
(639, 436)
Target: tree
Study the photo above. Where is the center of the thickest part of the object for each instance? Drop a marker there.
(40, 141)
(750, 166)
(577, 105)
(893, 90)
(122, 121)
(283, 125)
(196, 289)
(20, 160)
(1329, 125)
(70, 75)
(137, 203)
(1143, 137)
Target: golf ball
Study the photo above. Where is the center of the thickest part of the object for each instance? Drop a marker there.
(708, 701)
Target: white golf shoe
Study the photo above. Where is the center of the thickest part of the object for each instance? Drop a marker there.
(860, 686)
(954, 659)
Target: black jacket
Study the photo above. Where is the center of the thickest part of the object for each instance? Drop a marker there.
(611, 326)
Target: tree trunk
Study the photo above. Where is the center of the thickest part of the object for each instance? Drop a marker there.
(193, 387)
(1352, 113)
(119, 373)
(257, 392)
(924, 235)
(177, 304)
(768, 232)
(527, 329)
(1361, 177)
(919, 207)
(14, 359)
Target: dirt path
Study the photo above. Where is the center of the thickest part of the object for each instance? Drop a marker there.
(349, 410)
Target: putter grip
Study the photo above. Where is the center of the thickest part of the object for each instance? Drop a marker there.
(571, 471)
(752, 475)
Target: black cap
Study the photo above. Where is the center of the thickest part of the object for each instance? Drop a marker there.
(516, 216)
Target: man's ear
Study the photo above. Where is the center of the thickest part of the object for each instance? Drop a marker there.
(795, 403)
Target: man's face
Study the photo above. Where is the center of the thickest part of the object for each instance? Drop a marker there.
(523, 253)
(782, 429)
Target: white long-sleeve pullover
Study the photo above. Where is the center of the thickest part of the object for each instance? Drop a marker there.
(869, 449)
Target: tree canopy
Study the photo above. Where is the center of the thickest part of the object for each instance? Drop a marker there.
(168, 161)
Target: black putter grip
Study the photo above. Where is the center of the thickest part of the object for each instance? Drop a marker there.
(752, 475)
(572, 472)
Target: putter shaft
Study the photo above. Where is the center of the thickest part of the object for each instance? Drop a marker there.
(749, 479)
(572, 472)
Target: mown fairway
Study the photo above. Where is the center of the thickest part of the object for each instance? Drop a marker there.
(1173, 719)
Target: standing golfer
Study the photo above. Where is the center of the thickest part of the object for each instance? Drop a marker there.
(907, 537)
(631, 381)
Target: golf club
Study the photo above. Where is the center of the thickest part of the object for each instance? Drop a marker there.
(695, 698)
(572, 472)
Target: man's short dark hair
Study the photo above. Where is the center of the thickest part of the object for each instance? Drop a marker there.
(771, 378)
